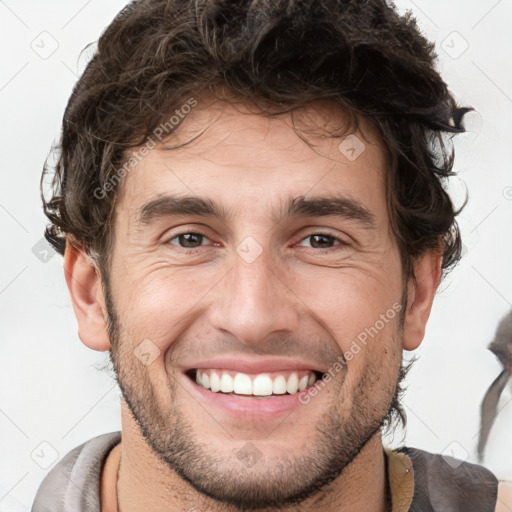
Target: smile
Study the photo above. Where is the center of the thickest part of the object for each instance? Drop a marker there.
(261, 384)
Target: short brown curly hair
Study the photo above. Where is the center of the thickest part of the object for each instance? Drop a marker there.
(278, 54)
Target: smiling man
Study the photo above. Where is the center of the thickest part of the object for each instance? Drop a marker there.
(249, 199)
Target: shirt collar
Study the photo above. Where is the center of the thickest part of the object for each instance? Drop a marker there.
(401, 480)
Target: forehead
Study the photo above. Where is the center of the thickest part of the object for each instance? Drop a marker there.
(233, 156)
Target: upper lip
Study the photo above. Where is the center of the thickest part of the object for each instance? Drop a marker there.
(261, 365)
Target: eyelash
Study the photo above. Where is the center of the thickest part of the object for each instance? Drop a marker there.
(193, 250)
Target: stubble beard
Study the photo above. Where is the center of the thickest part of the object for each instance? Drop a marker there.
(274, 485)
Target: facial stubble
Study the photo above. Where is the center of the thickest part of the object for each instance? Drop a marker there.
(335, 443)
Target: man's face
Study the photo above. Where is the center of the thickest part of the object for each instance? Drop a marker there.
(258, 299)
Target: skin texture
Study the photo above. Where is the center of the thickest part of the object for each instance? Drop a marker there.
(300, 299)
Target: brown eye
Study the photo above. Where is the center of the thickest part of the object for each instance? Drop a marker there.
(323, 241)
(188, 240)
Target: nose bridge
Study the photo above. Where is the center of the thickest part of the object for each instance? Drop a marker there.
(254, 301)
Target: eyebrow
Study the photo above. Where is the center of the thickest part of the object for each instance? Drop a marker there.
(343, 207)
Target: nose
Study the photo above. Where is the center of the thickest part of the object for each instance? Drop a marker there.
(253, 301)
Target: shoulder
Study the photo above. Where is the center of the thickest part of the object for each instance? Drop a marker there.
(447, 483)
(76, 477)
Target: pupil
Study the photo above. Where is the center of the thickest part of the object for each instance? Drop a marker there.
(188, 238)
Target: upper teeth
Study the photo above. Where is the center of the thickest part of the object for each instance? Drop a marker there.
(263, 384)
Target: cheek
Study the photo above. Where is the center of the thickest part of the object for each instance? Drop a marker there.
(158, 303)
(356, 308)
(372, 371)
(373, 356)
(362, 315)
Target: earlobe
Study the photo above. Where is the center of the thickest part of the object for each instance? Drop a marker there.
(420, 297)
(84, 284)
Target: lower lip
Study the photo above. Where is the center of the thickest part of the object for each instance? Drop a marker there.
(254, 407)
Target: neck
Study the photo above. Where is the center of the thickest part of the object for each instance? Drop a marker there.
(145, 481)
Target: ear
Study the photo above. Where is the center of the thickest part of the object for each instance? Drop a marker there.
(84, 284)
(421, 296)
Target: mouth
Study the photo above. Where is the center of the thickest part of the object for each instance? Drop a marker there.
(255, 389)
(253, 385)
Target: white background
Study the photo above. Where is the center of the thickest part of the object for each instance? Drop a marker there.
(52, 390)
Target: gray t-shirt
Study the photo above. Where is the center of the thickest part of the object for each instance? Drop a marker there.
(73, 485)
(420, 481)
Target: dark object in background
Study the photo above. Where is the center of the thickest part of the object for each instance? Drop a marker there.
(501, 347)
